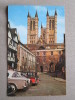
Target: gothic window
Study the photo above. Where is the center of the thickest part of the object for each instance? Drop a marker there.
(51, 52)
(50, 24)
(33, 25)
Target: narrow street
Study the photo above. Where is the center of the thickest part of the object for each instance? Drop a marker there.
(47, 86)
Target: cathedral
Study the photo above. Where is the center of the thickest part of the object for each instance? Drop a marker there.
(48, 33)
(45, 47)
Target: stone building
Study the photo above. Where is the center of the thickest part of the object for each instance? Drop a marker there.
(26, 60)
(32, 33)
(46, 48)
(12, 47)
(49, 34)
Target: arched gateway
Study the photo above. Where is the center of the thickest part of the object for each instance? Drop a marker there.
(52, 67)
(41, 68)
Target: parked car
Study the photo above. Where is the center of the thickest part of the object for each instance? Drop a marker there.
(17, 81)
(27, 79)
(33, 77)
(10, 90)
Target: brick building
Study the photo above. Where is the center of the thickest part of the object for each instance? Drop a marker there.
(45, 47)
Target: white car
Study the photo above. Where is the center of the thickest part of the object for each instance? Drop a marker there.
(27, 79)
(17, 81)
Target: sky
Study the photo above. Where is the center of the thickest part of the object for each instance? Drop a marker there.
(17, 16)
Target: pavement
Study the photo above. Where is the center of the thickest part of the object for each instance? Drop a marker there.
(60, 79)
(47, 86)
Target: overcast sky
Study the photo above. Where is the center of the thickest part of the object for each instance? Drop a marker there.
(17, 16)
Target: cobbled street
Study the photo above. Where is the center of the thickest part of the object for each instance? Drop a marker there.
(47, 86)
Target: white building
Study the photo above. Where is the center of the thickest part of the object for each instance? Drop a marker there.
(12, 47)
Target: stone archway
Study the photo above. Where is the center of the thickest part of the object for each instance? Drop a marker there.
(41, 68)
(51, 67)
(41, 48)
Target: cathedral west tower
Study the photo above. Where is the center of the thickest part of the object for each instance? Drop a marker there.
(51, 28)
(32, 30)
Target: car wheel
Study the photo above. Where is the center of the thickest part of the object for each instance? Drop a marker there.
(13, 87)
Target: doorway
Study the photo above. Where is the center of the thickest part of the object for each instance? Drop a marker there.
(41, 68)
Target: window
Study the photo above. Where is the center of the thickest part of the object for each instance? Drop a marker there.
(8, 53)
(37, 59)
(44, 53)
(33, 25)
(44, 60)
(37, 53)
(50, 24)
(11, 54)
(59, 52)
(13, 43)
(51, 52)
(32, 42)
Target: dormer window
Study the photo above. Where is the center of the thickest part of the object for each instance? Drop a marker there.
(15, 31)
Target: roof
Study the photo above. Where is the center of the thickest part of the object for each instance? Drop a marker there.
(55, 12)
(13, 30)
(36, 15)
(47, 13)
(19, 42)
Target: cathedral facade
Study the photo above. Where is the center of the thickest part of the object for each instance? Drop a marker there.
(48, 33)
(45, 47)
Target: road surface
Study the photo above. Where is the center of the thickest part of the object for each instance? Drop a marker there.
(47, 86)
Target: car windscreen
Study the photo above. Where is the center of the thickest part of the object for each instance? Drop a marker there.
(16, 74)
